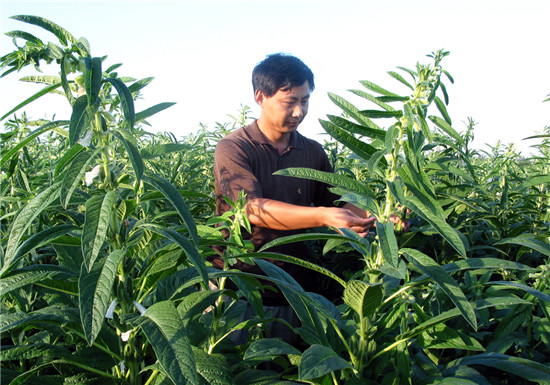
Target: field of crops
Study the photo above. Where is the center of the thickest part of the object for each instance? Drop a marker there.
(106, 229)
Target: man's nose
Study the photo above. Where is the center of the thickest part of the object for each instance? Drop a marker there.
(298, 111)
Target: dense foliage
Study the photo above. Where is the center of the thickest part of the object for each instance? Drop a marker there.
(106, 227)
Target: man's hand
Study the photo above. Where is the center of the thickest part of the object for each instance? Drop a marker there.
(345, 218)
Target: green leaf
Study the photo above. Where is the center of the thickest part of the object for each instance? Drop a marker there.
(82, 117)
(400, 78)
(269, 348)
(176, 199)
(363, 297)
(189, 248)
(27, 352)
(352, 111)
(441, 107)
(164, 330)
(355, 128)
(155, 150)
(533, 181)
(67, 158)
(312, 330)
(373, 87)
(373, 99)
(96, 224)
(428, 209)
(93, 77)
(449, 286)
(125, 99)
(377, 114)
(360, 148)
(95, 288)
(63, 35)
(39, 131)
(42, 238)
(336, 180)
(534, 292)
(26, 36)
(319, 360)
(529, 241)
(131, 147)
(32, 274)
(24, 220)
(140, 116)
(443, 337)
(74, 175)
(214, 368)
(388, 243)
(44, 91)
(522, 367)
(446, 127)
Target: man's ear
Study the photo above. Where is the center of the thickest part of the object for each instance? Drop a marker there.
(259, 96)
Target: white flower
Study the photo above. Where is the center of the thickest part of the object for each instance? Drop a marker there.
(124, 336)
(91, 175)
(122, 367)
(111, 309)
(87, 139)
(140, 308)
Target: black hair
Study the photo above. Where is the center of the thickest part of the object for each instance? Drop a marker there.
(280, 71)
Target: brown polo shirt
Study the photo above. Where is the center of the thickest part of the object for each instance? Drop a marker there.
(245, 160)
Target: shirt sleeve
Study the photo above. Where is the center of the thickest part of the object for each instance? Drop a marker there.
(233, 172)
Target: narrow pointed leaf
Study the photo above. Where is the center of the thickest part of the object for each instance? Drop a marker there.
(441, 107)
(376, 88)
(96, 224)
(126, 100)
(63, 35)
(27, 275)
(155, 150)
(312, 329)
(74, 175)
(355, 128)
(188, 247)
(26, 36)
(140, 116)
(67, 158)
(39, 131)
(529, 241)
(336, 180)
(518, 366)
(163, 328)
(446, 127)
(388, 243)
(81, 118)
(360, 148)
(25, 219)
(400, 78)
(130, 144)
(352, 111)
(42, 238)
(95, 289)
(449, 286)
(176, 199)
(43, 92)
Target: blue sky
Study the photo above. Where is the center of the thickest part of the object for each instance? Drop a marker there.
(201, 54)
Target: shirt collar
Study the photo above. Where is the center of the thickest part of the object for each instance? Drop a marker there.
(254, 132)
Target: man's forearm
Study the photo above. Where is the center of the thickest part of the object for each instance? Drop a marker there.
(279, 215)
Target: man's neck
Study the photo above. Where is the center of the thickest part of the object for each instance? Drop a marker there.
(279, 140)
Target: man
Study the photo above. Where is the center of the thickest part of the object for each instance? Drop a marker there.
(247, 158)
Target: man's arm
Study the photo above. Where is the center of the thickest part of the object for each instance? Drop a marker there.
(279, 215)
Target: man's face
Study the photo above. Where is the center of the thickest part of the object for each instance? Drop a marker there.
(285, 110)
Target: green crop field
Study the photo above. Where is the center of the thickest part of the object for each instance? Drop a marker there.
(106, 229)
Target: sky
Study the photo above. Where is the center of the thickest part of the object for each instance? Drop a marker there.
(201, 54)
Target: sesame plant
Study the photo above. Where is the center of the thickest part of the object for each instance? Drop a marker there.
(106, 230)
